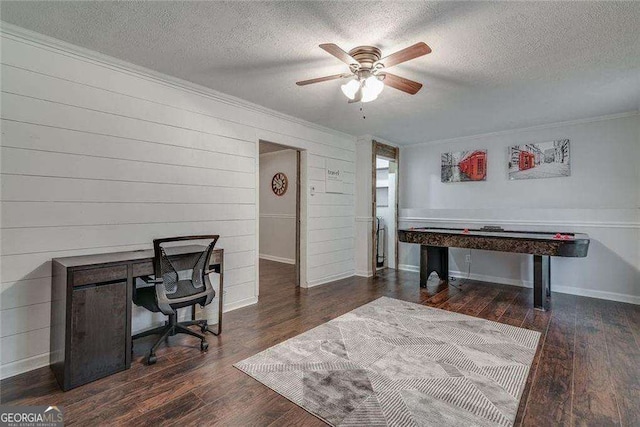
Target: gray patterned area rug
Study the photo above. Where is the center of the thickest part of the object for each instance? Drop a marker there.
(395, 363)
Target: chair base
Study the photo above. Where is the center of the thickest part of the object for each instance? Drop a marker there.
(173, 327)
(205, 328)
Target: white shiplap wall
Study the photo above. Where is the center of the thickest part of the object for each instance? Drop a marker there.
(100, 156)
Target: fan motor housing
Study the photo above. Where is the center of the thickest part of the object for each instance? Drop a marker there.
(365, 55)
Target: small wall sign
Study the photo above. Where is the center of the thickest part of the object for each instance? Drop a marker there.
(333, 177)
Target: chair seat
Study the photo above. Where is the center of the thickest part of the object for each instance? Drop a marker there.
(146, 297)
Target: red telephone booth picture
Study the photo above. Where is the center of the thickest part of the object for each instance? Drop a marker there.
(526, 161)
(474, 165)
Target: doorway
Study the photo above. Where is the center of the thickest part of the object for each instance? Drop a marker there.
(279, 215)
(385, 206)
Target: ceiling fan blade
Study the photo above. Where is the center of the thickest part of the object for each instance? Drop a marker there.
(322, 79)
(400, 83)
(404, 55)
(343, 56)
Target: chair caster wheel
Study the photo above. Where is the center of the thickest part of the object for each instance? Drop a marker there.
(151, 359)
(204, 345)
(204, 327)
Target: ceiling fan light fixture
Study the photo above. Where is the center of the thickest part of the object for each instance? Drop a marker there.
(368, 71)
(350, 88)
(372, 87)
(368, 96)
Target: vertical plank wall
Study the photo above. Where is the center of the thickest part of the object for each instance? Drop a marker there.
(97, 157)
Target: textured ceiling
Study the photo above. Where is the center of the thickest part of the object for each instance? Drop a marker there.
(494, 66)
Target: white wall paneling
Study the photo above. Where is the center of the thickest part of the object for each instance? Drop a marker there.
(600, 198)
(99, 156)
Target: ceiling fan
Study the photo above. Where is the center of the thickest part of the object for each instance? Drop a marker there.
(368, 72)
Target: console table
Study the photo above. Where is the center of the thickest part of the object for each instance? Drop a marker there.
(91, 310)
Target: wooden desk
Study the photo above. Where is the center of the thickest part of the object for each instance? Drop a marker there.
(91, 310)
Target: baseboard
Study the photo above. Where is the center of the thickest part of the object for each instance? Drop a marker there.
(612, 296)
(478, 277)
(364, 273)
(409, 267)
(331, 278)
(493, 279)
(239, 304)
(24, 365)
(41, 360)
(571, 290)
(277, 259)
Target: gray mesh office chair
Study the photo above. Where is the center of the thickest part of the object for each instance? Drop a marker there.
(180, 281)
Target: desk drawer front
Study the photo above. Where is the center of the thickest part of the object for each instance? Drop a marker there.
(98, 275)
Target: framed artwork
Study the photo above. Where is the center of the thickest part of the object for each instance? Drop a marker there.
(542, 160)
(461, 166)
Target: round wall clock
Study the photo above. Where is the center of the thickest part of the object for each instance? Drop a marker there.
(279, 184)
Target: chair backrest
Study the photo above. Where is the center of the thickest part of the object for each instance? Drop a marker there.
(183, 270)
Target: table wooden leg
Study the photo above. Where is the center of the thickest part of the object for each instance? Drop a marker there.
(433, 258)
(541, 282)
(424, 262)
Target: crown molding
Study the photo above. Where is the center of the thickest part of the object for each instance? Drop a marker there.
(631, 113)
(51, 43)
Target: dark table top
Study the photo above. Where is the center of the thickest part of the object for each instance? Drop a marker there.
(126, 256)
(527, 235)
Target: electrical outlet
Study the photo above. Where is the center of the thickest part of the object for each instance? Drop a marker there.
(467, 259)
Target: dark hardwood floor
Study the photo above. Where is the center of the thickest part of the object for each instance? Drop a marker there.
(586, 370)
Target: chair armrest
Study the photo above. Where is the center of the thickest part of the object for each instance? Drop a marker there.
(162, 299)
(148, 279)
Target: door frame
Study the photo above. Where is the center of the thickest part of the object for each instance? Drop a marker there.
(298, 222)
(392, 153)
(298, 217)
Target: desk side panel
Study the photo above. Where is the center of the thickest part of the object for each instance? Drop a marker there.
(58, 320)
